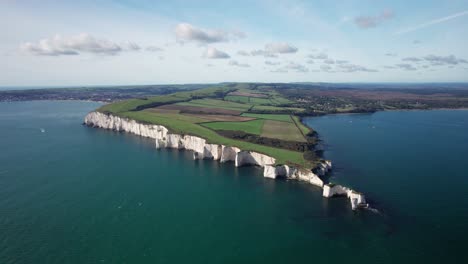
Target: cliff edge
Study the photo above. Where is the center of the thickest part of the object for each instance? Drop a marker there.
(204, 150)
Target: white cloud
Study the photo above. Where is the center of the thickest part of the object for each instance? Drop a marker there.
(188, 33)
(444, 60)
(74, 45)
(213, 53)
(411, 59)
(236, 63)
(319, 56)
(296, 67)
(264, 53)
(406, 67)
(280, 47)
(348, 67)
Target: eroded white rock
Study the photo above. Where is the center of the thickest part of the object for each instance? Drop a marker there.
(356, 199)
(202, 150)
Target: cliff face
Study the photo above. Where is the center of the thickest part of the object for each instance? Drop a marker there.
(203, 150)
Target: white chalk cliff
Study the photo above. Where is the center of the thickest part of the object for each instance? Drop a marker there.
(203, 150)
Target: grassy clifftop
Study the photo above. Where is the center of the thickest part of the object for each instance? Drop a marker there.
(225, 115)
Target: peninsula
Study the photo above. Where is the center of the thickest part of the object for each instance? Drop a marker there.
(243, 123)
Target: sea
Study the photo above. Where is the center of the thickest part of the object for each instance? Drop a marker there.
(75, 194)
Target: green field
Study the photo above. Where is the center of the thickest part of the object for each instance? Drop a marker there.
(217, 104)
(284, 118)
(237, 98)
(282, 130)
(305, 130)
(251, 127)
(282, 156)
(277, 126)
(276, 108)
(133, 104)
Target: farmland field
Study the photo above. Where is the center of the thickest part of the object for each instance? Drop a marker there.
(284, 118)
(251, 127)
(215, 117)
(282, 130)
(276, 108)
(237, 98)
(226, 116)
(199, 109)
(217, 104)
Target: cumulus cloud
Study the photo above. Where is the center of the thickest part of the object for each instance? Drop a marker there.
(341, 61)
(433, 60)
(345, 67)
(444, 60)
(263, 53)
(390, 54)
(412, 59)
(131, 46)
(188, 33)
(373, 21)
(280, 47)
(272, 50)
(213, 53)
(319, 56)
(348, 67)
(272, 62)
(74, 45)
(236, 63)
(296, 67)
(329, 61)
(406, 67)
(310, 61)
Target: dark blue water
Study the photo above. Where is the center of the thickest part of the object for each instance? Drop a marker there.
(414, 166)
(74, 194)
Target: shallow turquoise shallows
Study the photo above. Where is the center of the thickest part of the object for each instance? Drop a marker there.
(73, 194)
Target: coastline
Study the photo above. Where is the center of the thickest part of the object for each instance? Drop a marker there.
(204, 150)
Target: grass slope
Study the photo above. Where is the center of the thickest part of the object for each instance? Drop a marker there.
(284, 118)
(251, 127)
(217, 104)
(282, 156)
(282, 130)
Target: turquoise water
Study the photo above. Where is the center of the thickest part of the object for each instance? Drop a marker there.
(73, 194)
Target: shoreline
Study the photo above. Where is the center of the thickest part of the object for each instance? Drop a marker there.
(203, 150)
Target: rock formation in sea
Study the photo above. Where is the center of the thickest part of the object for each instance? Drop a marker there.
(204, 150)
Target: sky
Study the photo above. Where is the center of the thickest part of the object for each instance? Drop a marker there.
(123, 42)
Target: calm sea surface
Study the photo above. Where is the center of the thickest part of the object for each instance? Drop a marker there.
(73, 194)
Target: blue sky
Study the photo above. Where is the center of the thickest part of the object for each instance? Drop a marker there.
(154, 42)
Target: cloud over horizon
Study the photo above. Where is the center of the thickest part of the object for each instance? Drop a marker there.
(213, 53)
(188, 33)
(74, 45)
